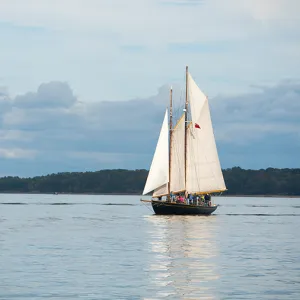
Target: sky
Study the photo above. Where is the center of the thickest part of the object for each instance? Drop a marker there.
(84, 83)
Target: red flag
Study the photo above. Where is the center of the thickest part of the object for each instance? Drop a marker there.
(197, 126)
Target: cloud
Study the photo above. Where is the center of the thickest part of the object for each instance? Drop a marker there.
(278, 104)
(253, 130)
(129, 48)
(260, 129)
(134, 49)
(53, 94)
(14, 135)
(70, 133)
(270, 113)
(269, 10)
(5, 103)
(182, 2)
(16, 153)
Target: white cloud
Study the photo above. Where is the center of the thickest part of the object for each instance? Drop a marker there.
(269, 10)
(82, 42)
(15, 135)
(145, 16)
(16, 153)
(114, 158)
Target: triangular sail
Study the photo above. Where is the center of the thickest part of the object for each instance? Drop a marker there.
(161, 191)
(204, 172)
(158, 176)
(177, 180)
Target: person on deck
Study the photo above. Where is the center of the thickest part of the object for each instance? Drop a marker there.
(207, 199)
(195, 200)
(171, 196)
(191, 199)
(202, 200)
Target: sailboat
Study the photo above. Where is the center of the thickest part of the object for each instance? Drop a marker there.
(185, 169)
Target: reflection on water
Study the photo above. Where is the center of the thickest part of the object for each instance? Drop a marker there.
(184, 257)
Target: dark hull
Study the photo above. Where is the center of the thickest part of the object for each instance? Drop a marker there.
(165, 208)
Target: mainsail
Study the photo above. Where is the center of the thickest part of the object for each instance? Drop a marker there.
(177, 180)
(158, 176)
(204, 172)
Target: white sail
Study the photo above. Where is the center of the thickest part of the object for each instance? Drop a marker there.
(204, 173)
(159, 170)
(161, 191)
(177, 180)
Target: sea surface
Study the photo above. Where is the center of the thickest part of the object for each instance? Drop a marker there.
(114, 247)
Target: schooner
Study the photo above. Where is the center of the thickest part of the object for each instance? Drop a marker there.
(186, 165)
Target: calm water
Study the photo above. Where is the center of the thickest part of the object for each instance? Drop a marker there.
(84, 248)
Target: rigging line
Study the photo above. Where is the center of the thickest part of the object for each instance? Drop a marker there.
(180, 151)
(182, 100)
(196, 169)
(147, 206)
(178, 111)
(176, 146)
(198, 178)
(193, 155)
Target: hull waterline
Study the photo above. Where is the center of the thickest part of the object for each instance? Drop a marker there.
(166, 208)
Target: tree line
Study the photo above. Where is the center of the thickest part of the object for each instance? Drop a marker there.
(282, 182)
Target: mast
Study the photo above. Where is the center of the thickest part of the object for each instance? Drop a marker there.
(185, 123)
(170, 142)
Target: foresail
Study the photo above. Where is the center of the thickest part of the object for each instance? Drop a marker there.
(204, 173)
(159, 170)
(161, 191)
(177, 180)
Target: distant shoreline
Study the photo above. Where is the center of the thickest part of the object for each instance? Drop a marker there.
(255, 183)
(135, 194)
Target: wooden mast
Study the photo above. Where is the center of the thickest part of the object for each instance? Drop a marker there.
(185, 124)
(170, 140)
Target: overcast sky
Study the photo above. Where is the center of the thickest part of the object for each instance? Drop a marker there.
(84, 83)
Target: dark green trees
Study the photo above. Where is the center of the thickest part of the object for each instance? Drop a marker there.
(238, 181)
